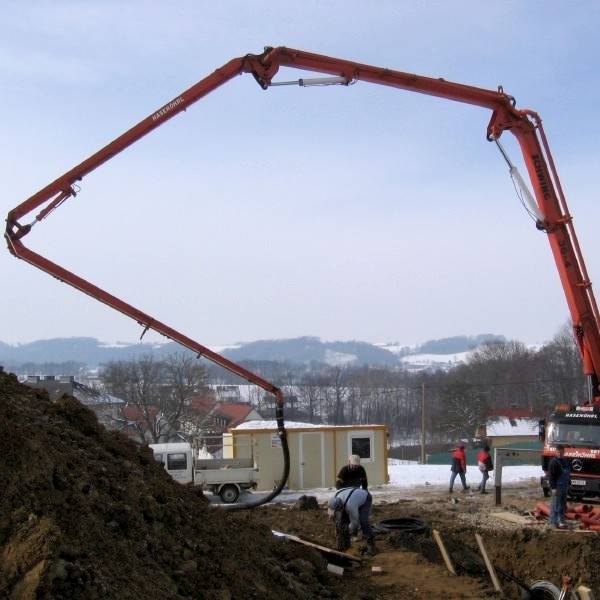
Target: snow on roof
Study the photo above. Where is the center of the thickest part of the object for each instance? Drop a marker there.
(273, 425)
(173, 447)
(294, 425)
(512, 413)
(506, 426)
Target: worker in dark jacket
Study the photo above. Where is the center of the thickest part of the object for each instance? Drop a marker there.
(352, 475)
(459, 467)
(559, 474)
(351, 508)
(484, 462)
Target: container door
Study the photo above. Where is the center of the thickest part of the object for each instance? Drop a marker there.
(311, 460)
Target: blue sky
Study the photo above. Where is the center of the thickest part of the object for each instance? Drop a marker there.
(348, 213)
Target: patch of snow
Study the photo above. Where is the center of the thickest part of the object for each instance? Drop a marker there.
(435, 359)
(414, 475)
(394, 348)
(336, 359)
(273, 425)
(116, 345)
(407, 479)
(220, 349)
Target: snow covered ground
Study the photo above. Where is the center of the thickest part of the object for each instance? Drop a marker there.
(408, 480)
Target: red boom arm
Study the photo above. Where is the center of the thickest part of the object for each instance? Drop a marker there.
(524, 124)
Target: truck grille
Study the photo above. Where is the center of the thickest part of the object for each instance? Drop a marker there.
(588, 465)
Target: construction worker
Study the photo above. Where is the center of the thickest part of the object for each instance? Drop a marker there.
(459, 467)
(559, 474)
(351, 508)
(352, 475)
(484, 462)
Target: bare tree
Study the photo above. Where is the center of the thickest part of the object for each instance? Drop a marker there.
(157, 390)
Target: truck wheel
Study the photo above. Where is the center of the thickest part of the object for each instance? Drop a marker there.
(229, 493)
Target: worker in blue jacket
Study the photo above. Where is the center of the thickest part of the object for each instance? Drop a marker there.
(559, 474)
(351, 508)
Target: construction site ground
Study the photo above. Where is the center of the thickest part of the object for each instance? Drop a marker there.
(87, 514)
(412, 565)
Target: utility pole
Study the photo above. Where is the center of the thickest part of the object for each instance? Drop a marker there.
(423, 423)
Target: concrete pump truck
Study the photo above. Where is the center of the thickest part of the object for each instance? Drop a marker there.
(577, 425)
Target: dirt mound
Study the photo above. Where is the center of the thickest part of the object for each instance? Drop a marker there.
(85, 513)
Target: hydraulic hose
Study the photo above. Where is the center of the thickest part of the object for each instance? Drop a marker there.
(282, 433)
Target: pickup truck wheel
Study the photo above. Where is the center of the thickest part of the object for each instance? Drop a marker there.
(229, 493)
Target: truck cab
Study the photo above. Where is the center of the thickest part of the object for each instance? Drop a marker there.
(177, 459)
(576, 428)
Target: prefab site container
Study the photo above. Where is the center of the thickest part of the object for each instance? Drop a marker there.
(317, 452)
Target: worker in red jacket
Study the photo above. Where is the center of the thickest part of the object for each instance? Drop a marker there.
(459, 467)
(484, 462)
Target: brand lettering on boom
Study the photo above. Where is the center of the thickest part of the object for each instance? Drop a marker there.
(167, 108)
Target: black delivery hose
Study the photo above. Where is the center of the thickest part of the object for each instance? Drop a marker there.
(470, 554)
(282, 433)
(402, 525)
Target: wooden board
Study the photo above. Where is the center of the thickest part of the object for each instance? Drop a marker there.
(324, 549)
(514, 518)
(489, 565)
(438, 540)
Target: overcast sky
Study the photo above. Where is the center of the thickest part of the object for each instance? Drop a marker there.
(358, 212)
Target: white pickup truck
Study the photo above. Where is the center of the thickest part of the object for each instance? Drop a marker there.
(224, 477)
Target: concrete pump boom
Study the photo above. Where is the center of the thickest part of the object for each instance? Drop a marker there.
(553, 214)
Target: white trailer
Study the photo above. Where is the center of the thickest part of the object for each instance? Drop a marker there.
(225, 477)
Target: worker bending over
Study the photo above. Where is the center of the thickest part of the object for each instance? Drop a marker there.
(352, 475)
(351, 508)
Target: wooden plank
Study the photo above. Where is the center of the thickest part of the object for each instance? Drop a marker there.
(438, 540)
(514, 518)
(376, 570)
(585, 593)
(567, 530)
(295, 538)
(489, 565)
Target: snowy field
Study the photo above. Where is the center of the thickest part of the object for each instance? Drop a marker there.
(411, 475)
(410, 480)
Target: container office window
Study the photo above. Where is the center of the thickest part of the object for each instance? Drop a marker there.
(362, 444)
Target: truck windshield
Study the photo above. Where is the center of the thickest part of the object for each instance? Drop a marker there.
(575, 435)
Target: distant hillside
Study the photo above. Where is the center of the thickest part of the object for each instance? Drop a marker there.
(81, 349)
(303, 350)
(459, 343)
(312, 349)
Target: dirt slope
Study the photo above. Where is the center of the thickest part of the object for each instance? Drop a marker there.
(84, 513)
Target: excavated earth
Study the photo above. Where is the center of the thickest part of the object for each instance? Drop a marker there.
(86, 513)
(413, 566)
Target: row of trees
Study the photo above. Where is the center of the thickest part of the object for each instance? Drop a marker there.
(496, 375)
(158, 390)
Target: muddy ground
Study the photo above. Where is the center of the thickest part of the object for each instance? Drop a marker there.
(413, 566)
(87, 514)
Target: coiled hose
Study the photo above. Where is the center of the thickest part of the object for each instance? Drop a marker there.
(401, 524)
